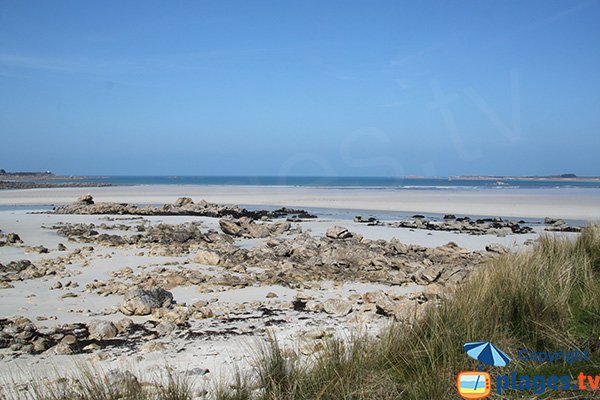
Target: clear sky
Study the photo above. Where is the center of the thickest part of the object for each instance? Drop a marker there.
(355, 88)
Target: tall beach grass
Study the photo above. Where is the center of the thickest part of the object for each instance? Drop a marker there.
(545, 299)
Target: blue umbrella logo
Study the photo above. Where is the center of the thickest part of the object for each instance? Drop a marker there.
(487, 353)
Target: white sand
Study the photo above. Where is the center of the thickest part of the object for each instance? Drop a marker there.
(220, 354)
(33, 298)
(580, 204)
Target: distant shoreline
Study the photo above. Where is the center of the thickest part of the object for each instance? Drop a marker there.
(44, 180)
(528, 178)
(33, 180)
(16, 185)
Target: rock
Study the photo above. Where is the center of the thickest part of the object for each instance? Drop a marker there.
(408, 311)
(317, 334)
(19, 265)
(86, 199)
(177, 315)
(449, 216)
(66, 346)
(120, 379)
(271, 295)
(207, 257)
(230, 227)
(371, 221)
(428, 275)
(102, 330)
(281, 227)
(62, 247)
(554, 221)
(62, 349)
(338, 232)
(183, 201)
(139, 301)
(69, 339)
(433, 292)
(40, 345)
(384, 305)
(197, 372)
(338, 307)
(200, 304)
(313, 306)
(496, 248)
(36, 249)
(124, 325)
(165, 328)
(153, 346)
(57, 285)
(92, 347)
(13, 238)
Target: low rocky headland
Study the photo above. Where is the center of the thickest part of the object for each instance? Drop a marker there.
(39, 180)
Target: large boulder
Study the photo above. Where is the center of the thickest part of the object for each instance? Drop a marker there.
(139, 301)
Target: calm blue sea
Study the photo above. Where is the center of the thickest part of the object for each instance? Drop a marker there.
(349, 182)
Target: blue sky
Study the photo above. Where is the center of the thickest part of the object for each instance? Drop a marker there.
(354, 88)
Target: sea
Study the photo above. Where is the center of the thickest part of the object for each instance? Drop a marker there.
(350, 182)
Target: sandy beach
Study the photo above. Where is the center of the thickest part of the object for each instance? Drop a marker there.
(224, 307)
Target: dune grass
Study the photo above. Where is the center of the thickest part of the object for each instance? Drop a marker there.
(89, 383)
(544, 299)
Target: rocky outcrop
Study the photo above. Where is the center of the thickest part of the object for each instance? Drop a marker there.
(182, 206)
(20, 334)
(485, 226)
